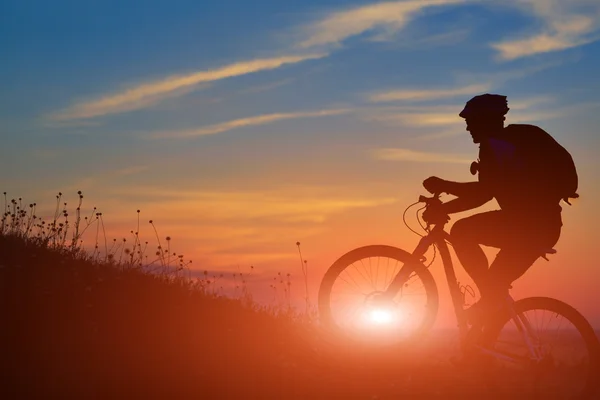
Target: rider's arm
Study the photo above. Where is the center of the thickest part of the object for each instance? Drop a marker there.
(465, 189)
(469, 195)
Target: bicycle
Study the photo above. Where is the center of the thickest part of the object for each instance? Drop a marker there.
(383, 318)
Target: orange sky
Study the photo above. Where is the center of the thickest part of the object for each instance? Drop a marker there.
(240, 136)
(259, 222)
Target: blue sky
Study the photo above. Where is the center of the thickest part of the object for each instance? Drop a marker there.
(271, 121)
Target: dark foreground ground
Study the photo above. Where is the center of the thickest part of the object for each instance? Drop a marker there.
(75, 329)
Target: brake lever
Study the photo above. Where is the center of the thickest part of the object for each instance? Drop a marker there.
(435, 199)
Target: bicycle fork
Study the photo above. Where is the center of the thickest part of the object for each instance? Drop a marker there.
(408, 270)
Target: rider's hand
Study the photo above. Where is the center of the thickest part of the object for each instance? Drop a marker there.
(433, 184)
(435, 214)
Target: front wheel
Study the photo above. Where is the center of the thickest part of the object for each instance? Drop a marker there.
(547, 350)
(351, 286)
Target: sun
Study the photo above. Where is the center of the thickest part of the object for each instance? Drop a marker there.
(380, 316)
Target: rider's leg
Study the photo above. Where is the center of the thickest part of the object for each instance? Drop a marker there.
(516, 257)
(510, 264)
(521, 242)
(466, 236)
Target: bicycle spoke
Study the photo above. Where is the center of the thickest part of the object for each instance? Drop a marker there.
(385, 281)
(562, 360)
(361, 274)
(360, 282)
(354, 282)
(370, 279)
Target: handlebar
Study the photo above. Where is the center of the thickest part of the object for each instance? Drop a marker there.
(435, 199)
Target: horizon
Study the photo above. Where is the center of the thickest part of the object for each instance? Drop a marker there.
(241, 129)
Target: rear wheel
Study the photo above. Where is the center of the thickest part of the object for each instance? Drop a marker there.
(562, 360)
(350, 289)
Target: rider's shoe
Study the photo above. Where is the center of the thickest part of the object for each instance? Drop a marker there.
(470, 356)
(480, 314)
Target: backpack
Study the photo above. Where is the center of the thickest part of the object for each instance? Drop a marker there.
(548, 164)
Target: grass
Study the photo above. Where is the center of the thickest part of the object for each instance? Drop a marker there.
(92, 322)
(111, 322)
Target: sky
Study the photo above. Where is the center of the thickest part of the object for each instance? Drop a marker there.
(241, 128)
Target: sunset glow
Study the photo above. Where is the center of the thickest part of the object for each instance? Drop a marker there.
(242, 128)
(381, 317)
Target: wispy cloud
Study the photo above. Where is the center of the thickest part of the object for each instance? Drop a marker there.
(427, 94)
(399, 154)
(467, 84)
(445, 117)
(446, 122)
(104, 177)
(425, 116)
(565, 24)
(150, 93)
(501, 77)
(547, 114)
(383, 17)
(243, 122)
(528, 110)
(289, 204)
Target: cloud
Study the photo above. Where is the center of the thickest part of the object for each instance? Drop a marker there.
(468, 84)
(150, 93)
(553, 113)
(243, 122)
(523, 111)
(425, 116)
(501, 77)
(446, 117)
(443, 121)
(386, 17)
(427, 94)
(565, 24)
(102, 178)
(399, 154)
(289, 204)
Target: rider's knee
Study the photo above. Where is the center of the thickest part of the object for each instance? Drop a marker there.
(461, 230)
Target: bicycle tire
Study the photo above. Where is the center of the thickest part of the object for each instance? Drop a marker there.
(324, 295)
(591, 387)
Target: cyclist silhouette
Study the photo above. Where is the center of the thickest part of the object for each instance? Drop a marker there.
(528, 186)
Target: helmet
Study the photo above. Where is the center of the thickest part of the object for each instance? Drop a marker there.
(491, 105)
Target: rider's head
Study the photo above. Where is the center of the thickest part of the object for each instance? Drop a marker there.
(484, 115)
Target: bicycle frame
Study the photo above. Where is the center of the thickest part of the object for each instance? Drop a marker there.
(437, 236)
(440, 238)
